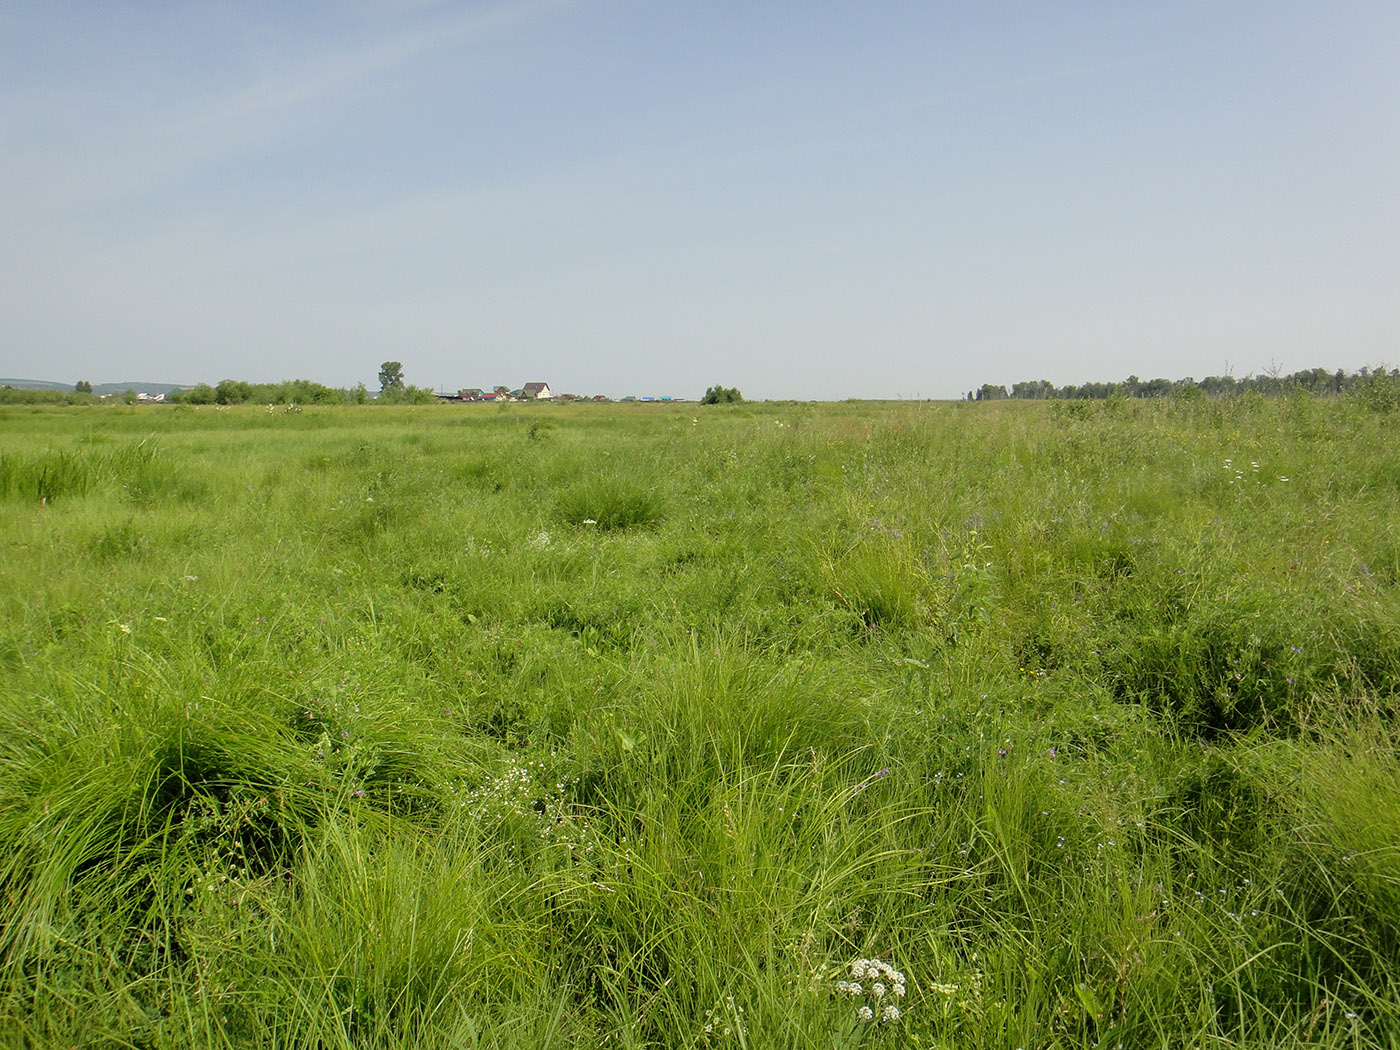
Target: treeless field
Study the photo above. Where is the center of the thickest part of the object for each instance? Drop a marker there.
(683, 726)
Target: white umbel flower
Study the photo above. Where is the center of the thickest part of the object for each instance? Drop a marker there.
(884, 981)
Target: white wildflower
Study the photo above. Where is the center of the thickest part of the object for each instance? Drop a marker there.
(884, 980)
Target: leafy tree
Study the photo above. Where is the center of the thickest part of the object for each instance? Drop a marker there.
(1034, 390)
(83, 387)
(233, 392)
(1155, 388)
(407, 395)
(719, 395)
(391, 376)
(200, 394)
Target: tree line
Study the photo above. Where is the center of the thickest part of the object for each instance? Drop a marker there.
(392, 390)
(1312, 380)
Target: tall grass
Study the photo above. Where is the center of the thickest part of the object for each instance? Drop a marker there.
(638, 725)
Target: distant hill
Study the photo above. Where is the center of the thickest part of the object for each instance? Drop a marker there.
(35, 384)
(97, 388)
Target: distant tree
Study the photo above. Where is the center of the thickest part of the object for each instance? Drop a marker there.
(1272, 383)
(83, 387)
(233, 392)
(406, 394)
(720, 395)
(11, 396)
(200, 394)
(1218, 386)
(391, 376)
(1034, 390)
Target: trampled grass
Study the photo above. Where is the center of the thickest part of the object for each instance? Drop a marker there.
(570, 726)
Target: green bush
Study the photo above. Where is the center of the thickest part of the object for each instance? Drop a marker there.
(720, 395)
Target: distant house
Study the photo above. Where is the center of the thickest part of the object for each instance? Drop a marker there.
(600, 397)
(536, 392)
(503, 394)
(470, 394)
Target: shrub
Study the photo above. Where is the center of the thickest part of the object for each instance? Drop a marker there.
(720, 395)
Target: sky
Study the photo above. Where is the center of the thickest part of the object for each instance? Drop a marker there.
(807, 200)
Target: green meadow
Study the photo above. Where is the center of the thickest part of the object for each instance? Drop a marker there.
(459, 726)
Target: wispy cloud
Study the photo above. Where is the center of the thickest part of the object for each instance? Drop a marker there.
(337, 75)
(65, 158)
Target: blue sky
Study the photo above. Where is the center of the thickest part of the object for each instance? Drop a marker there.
(804, 200)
